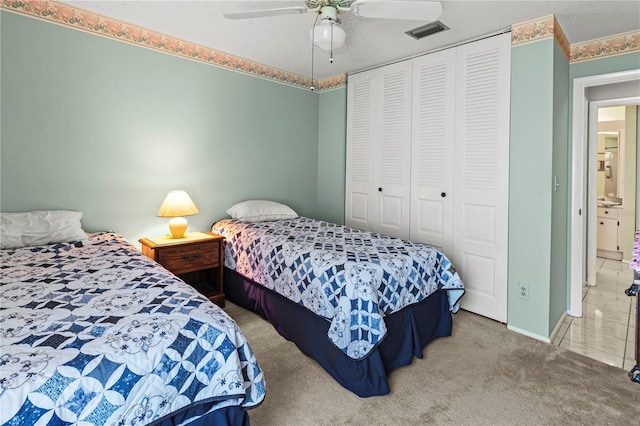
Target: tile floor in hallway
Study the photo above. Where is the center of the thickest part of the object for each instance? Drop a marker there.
(606, 331)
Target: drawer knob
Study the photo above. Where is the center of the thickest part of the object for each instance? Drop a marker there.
(190, 257)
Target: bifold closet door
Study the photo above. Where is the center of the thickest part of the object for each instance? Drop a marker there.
(379, 150)
(360, 147)
(481, 174)
(432, 154)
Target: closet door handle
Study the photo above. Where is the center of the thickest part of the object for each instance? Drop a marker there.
(443, 194)
(379, 189)
(601, 223)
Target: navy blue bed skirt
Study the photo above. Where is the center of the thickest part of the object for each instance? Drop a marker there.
(408, 332)
(227, 416)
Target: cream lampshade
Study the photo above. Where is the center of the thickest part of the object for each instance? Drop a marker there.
(176, 205)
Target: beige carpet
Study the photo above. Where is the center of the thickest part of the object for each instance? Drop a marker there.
(483, 374)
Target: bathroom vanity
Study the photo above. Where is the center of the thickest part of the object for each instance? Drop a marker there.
(609, 229)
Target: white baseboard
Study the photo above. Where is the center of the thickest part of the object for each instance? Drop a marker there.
(556, 329)
(607, 254)
(528, 334)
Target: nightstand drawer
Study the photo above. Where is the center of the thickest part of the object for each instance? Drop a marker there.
(193, 257)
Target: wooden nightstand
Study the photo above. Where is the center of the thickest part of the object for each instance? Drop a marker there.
(198, 259)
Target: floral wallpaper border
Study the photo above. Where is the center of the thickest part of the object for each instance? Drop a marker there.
(547, 27)
(521, 33)
(540, 29)
(611, 46)
(534, 30)
(60, 13)
(562, 40)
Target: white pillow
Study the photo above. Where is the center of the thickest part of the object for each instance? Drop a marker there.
(260, 210)
(38, 228)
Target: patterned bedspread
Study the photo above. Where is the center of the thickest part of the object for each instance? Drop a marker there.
(353, 278)
(99, 334)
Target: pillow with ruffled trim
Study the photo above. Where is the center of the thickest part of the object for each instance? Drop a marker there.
(38, 228)
(261, 211)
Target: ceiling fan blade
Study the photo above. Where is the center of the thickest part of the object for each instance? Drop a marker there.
(413, 10)
(266, 12)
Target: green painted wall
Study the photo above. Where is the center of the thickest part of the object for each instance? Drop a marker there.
(560, 196)
(332, 142)
(608, 65)
(530, 185)
(539, 231)
(108, 128)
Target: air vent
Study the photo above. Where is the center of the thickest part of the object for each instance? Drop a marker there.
(426, 30)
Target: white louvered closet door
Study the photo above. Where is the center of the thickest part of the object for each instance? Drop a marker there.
(394, 156)
(379, 150)
(481, 170)
(432, 149)
(360, 156)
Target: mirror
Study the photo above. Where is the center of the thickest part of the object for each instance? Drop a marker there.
(610, 140)
(608, 165)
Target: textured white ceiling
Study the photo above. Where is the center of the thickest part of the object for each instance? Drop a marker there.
(283, 41)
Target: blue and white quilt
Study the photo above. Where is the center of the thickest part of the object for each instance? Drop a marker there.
(350, 277)
(101, 335)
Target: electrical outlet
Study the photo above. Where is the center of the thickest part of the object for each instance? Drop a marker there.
(523, 291)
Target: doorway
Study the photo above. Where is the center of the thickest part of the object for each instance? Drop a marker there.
(616, 140)
(590, 93)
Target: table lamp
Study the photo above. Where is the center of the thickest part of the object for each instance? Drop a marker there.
(176, 205)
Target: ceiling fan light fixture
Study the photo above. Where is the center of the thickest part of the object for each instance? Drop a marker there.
(427, 30)
(321, 35)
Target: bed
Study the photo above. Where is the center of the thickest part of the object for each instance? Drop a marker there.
(93, 332)
(359, 303)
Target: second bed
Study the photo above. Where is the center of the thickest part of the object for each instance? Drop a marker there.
(359, 303)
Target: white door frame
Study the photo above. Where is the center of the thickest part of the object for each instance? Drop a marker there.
(580, 247)
(592, 192)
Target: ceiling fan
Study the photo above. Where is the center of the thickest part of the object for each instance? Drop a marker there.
(328, 34)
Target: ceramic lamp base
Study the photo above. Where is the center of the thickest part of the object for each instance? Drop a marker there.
(177, 227)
